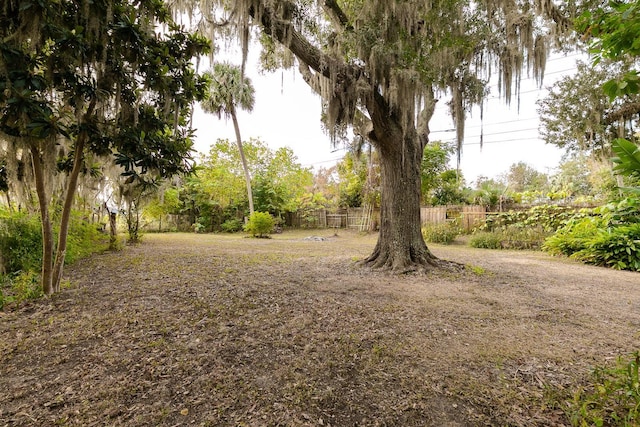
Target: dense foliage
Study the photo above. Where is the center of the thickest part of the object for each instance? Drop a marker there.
(525, 229)
(214, 198)
(443, 233)
(21, 254)
(610, 237)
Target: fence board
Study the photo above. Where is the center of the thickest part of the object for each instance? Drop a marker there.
(469, 216)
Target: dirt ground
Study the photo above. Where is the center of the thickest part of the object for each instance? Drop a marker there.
(220, 330)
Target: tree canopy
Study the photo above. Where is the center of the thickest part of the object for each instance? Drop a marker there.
(578, 116)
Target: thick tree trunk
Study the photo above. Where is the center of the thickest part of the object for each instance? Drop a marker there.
(47, 229)
(247, 175)
(401, 247)
(61, 252)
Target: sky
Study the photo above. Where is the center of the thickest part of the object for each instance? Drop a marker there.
(287, 113)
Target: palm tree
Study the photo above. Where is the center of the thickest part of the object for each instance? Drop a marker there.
(229, 88)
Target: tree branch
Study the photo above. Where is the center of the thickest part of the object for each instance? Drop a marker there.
(624, 112)
(337, 15)
(284, 32)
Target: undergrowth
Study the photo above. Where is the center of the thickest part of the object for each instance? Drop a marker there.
(443, 233)
(610, 238)
(21, 252)
(611, 399)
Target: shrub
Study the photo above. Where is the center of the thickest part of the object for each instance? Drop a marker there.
(547, 217)
(231, 225)
(611, 239)
(260, 224)
(613, 398)
(618, 248)
(486, 240)
(20, 241)
(574, 236)
(84, 239)
(443, 233)
(19, 287)
(531, 238)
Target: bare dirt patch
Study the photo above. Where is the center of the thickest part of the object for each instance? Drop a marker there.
(212, 330)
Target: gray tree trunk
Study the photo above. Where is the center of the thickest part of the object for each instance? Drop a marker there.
(47, 229)
(247, 175)
(61, 251)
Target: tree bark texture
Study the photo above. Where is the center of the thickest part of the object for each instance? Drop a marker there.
(61, 251)
(47, 229)
(400, 247)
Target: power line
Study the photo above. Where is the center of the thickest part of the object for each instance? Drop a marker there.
(502, 141)
(503, 132)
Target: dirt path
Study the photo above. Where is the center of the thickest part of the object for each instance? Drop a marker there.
(224, 331)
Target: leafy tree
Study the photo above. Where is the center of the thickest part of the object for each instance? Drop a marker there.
(450, 190)
(230, 89)
(94, 77)
(612, 30)
(523, 177)
(217, 188)
(281, 182)
(352, 175)
(378, 64)
(326, 183)
(489, 192)
(440, 185)
(165, 202)
(578, 116)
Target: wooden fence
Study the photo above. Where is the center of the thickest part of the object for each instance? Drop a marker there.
(363, 219)
(367, 219)
(469, 217)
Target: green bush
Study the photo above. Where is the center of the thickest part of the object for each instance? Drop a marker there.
(20, 241)
(613, 398)
(512, 237)
(547, 217)
(574, 236)
(84, 239)
(530, 238)
(20, 287)
(610, 239)
(260, 224)
(486, 240)
(443, 233)
(618, 248)
(231, 225)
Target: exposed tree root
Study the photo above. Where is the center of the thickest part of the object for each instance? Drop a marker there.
(410, 261)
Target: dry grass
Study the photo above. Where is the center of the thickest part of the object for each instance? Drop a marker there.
(224, 331)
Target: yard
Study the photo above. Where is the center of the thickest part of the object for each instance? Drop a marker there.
(221, 330)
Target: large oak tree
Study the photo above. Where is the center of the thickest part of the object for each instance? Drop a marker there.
(380, 65)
